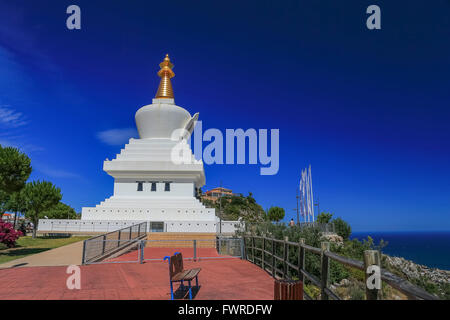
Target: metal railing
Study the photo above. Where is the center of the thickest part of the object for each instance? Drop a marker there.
(192, 249)
(269, 246)
(323, 227)
(267, 227)
(103, 245)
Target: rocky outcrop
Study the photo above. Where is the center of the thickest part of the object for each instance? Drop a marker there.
(333, 237)
(416, 271)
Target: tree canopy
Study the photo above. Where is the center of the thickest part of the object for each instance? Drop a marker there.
(342, 228)
(3, 202)
(60, 211)
(275, 214)
(324, 217)
(40, 197)
(15, 168)
(16, 203)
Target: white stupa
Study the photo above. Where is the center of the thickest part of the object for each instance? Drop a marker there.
(148, 184)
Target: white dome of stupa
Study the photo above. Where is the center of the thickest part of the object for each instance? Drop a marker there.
(163, 119)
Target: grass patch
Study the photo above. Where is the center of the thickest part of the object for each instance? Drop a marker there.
(27, 245)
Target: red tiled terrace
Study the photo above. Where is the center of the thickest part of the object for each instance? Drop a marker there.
(219, 279)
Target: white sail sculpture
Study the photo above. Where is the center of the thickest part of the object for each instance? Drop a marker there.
(306, 196)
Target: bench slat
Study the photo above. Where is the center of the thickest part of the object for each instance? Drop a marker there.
(186, 275)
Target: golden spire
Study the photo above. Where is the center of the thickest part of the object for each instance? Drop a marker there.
(165, 90)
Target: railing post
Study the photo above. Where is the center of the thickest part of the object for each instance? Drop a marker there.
(263, 248)
(285, 256)
(220, 245)
(242, 248)
(301, 260)
(195, 250)
(273, 259)
(253, 249)
(131, 230)
(118, 238)
(103, 245)
(141, 251)
(83, 257)
(325, 267)
(373, 288)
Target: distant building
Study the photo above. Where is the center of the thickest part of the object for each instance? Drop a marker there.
(7, 217)
(216, 193)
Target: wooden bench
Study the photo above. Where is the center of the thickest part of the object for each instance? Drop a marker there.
(178, 274)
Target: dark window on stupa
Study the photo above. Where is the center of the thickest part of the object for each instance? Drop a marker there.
(140, 186)
(167, 186)
(153, 186)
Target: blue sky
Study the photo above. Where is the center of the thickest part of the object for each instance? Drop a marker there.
(369, 110)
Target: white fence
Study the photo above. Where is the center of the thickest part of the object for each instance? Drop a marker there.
(229, 226)
(60, 225)
(103, 226)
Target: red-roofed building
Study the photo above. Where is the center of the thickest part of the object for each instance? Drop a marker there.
(216, 193)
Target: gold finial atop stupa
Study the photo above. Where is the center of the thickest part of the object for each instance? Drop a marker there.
(165, 90)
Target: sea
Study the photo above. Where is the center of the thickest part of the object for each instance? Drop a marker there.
(431, 249)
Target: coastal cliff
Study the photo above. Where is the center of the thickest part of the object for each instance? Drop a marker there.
(435, 281)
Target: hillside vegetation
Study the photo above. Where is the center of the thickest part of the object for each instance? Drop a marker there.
(238, 207)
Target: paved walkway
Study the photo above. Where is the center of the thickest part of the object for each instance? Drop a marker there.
(63, 256)
(219, 279)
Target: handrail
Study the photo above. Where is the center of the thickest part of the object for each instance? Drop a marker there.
(93, 251)
(332, 294)
(312, 249)
(344, 260)
(311, 277)
(410, 290)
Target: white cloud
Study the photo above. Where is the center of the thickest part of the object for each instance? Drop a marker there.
(11, 118)
(24, 147)
(115, 137)
(56, 173)
(16, 139)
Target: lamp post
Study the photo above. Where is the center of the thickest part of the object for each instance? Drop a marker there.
(298, 216)
(220, 209)
(317, 204)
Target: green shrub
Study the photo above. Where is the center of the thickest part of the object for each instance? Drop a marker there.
(324, 217)
(342, 228)
(275, 214)
(357, 292)
(338, 272)
(312, 291)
